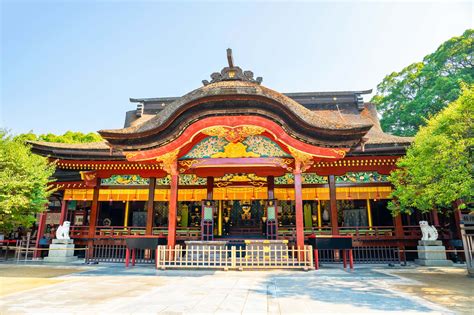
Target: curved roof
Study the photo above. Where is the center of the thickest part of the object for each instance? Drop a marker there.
(236, 97)
(92, 150)
(240, 88)
(318, 119)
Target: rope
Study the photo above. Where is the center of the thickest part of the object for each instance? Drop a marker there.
(37, 248)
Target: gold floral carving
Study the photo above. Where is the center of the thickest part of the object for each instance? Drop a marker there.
(250, 177)
(131, 155)
(341, 153)
(235, 150)
(89, 178)
(217, 131)
(235, 134)
(284, 163)
(168, 162)
(302, 160)
(187, 164)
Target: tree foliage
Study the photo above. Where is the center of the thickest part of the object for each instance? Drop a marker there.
(407, 98)
(438, 168)
(24, 179)
(67, 137)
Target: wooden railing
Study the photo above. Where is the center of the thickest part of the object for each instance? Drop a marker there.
(115, 253)
(367, 231)
(78, 231)
(363, 255)
(414, 232)
(191, 233)
(284, 232)
(217, 257)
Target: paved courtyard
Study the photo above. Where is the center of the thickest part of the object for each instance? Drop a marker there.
(112, 289)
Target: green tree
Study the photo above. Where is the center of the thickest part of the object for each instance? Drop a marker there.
(24, 179)
(67, 137)
(438, 167)
(407, 98)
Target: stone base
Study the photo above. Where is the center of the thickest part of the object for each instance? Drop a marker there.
(432, 253)
(470, 272)
(61, 259)
(61, 251)
(430, 243)
(434, 262)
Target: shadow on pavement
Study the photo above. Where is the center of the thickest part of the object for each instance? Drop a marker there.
(339, 287)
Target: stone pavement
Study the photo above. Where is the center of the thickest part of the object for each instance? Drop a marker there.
(112, 289)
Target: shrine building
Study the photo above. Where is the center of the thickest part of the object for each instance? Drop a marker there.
(320, 157)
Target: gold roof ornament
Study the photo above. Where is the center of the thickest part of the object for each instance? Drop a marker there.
(232, 73)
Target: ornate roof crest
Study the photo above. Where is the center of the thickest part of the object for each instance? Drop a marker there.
(232, 73)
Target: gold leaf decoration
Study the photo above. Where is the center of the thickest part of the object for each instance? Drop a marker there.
(235, 150)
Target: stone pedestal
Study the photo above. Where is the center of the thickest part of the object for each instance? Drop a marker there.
(432, 253)
(61, 251)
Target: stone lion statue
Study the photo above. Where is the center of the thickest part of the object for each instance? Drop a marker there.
(429, 232)
(62, 233)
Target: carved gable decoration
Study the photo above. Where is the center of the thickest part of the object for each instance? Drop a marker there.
(362, 177)
(236, 134)
(129, 180)
(191, 179)
(219, 146)
(308, 178)
(250, 178)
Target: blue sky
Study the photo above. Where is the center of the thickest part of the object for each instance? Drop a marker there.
(72, 65)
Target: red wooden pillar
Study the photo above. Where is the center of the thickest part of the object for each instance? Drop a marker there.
(299, 211)
(39, 235)
(271, 187)
(457, 220)
(434, 217)
(399, 234)
(173, 204)
(397, 222)
(63, 216)
(210, 187)
(150, 206)
(93, 220)
(333, 204)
